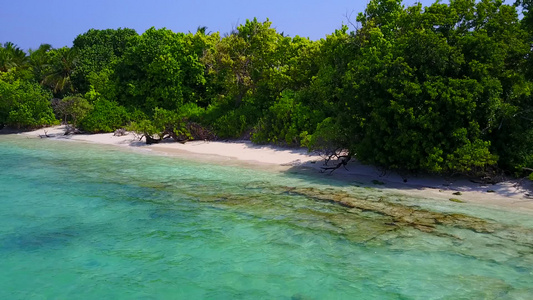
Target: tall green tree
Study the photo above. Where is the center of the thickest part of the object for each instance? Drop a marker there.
(59, 77)
(245, 59)
(24, 104)
(325, 97)
(40, 61)
(159, 70)
(429, 85)
(98, 53)
(11, 56)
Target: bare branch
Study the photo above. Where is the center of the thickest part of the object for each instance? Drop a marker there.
(348, 17)
(45, 134)
(345, 159)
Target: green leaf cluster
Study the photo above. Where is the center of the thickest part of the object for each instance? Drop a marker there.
(287, 121)
(158, 70)
(431, 88)
(72, 109)
(106, 116)
(24, 104)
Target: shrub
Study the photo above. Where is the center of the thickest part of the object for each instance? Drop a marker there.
(72, 108)
(107, 116)
(25, 105)
(286, 120)
(233, 123)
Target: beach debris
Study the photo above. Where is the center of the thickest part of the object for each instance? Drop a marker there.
(69, 129)
(45, 135)
(179, 130)
(120, 132)
(457, 193)
(344, 159)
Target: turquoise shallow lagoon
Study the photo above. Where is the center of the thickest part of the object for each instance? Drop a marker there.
(83, 221)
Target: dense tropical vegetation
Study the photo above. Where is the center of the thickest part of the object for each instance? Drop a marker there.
(443, 88)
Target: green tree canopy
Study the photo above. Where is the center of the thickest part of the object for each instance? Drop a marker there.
(99, 50)
(24, 104)
(159, 70)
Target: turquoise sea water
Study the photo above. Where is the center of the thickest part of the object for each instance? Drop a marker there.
(81, 221)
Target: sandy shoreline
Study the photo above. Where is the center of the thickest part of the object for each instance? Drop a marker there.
(510, 195)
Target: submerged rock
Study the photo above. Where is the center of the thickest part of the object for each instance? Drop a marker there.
(359, 217)
(402, 215)
(456, 200)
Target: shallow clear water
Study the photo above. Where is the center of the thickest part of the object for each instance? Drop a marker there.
(94, 222)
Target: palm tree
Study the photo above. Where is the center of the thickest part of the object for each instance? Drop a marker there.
(64, 61)
(203, 30)
(39, 60)
(11, 56)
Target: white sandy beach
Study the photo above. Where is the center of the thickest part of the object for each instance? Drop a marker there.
(512, 194)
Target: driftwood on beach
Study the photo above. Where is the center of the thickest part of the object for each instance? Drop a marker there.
(45, 135)
(343, 161)
(120, 132)
(191, 131)
(69, 129)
